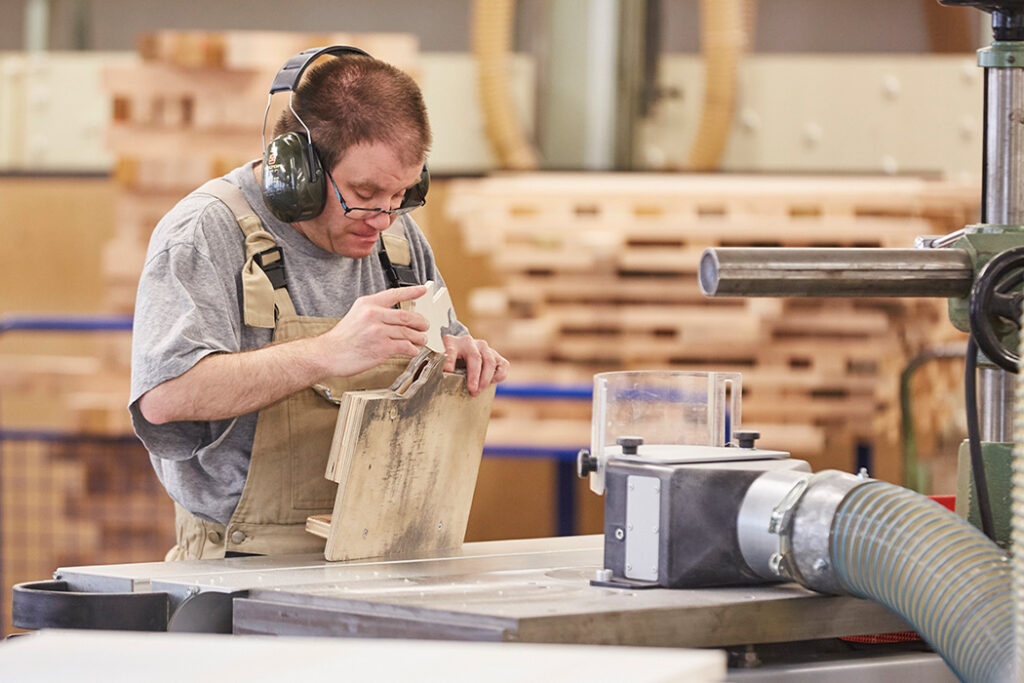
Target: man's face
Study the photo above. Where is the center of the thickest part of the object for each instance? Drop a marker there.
(368, 176)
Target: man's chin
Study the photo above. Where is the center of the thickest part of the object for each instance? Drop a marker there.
(359, 248)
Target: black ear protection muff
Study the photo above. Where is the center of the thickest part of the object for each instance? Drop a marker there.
(294, 187)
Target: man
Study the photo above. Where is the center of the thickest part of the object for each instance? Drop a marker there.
(234, 367)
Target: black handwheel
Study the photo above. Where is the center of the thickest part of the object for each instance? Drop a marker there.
(995, 300)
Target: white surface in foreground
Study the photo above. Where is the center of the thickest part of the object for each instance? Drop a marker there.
(105, 656)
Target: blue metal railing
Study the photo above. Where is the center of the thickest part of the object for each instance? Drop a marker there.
(65, 323)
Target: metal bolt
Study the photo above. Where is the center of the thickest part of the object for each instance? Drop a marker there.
(657, 488)
(819, 565)
(629, 526)
(775, 564)
(629, 567)
(365, 531)
(440, 525)
(630, 444)
(619, 534)
(603, 575)
(1011, 59)
(193, 590)
(655, 529)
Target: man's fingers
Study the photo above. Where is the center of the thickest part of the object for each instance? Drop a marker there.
(451, 353)
(396, 316)
(488, 364)
(501, 371)
(472, 357)
(390, 297)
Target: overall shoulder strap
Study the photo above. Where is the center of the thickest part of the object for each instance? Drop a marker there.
(264, 285)
(397, 244)
(396, 257)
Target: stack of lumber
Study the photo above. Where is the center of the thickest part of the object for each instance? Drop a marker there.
(192, 110)
(75, 501)
(600, 274)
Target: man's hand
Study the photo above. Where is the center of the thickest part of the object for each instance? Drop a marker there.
(372, 331)
(484, 365)
(224, 385)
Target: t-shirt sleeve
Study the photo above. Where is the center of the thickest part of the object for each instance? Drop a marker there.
(186, 308)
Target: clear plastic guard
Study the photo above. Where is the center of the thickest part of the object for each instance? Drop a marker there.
(664, 408)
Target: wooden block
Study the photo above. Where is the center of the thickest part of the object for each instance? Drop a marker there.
(436, 306)
(406, 461)
(266, 49)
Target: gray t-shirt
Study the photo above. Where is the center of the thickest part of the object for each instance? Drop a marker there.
(189, 305)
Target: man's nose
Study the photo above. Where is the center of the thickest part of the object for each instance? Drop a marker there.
(380, 221)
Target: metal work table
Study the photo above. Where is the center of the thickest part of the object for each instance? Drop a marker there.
(535, 590)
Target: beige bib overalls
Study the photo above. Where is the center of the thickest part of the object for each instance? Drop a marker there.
(286, 482)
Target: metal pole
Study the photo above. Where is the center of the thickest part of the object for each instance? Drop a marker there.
(739, 271)
(37, 25)
(1004, 147)
(995, 404)
(1004, 203)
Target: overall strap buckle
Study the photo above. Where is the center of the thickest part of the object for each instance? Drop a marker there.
(271, 261)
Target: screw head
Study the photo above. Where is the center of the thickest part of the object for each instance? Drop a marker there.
(630, 444)
(619, 534)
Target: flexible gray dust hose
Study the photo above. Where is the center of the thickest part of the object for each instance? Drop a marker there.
(934, 569)
(1017, 520)
(838, 533)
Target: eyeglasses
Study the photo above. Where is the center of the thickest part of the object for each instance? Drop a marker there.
(361, 214)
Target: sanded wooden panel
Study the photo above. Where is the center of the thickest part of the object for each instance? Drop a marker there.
(406, 461)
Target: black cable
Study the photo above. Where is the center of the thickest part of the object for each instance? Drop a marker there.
(974, 439)
(908, 432)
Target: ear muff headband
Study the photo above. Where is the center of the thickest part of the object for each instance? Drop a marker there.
(291, 73)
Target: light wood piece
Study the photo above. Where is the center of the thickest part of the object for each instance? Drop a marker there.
(436, 306)
(406, 461)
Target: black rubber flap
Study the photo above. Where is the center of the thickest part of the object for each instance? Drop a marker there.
(49, 604)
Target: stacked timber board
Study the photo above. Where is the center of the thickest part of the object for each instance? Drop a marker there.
(76, 500)
(600, 274)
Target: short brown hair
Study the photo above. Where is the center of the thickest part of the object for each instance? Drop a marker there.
(349, 99)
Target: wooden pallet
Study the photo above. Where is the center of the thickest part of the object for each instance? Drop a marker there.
(600, 273)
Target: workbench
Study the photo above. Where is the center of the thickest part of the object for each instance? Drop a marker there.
(534, 591)
(527, 591)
